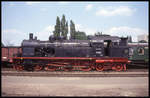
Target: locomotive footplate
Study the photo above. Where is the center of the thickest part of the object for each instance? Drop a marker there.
(72, 63)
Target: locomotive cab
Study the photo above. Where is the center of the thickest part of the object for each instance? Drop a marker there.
(107, 45)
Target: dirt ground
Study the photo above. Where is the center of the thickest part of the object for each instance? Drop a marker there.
(74, 86)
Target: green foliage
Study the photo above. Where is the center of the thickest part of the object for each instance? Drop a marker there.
(80, 35)
(56, 32)
(64, 27)
(66, 30)
(72, 30)
(61, 29)
(63, 21)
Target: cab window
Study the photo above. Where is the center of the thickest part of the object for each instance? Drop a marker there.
(140, 51)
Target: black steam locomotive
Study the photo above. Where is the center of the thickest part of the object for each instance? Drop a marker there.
(98, 52)
(99, 46)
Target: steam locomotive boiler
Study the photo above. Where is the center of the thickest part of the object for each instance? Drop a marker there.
(97, 53)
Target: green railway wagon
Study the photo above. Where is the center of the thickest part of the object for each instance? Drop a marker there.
(139, 53)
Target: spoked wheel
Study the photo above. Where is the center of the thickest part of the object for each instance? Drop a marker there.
(68, 68)
(50, 68)
(119, 67)
(18, 67)
(38, 67)
(86, 68)
(99, 67)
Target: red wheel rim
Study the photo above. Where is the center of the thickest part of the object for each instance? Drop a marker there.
(87, 66)
(37, 68)
(50, 68)
(86, 69)
(118, 67)
(19, 67)
(99, 67)
(67, 69)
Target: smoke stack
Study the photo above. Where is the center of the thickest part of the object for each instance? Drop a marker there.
(35, 37)
(31, 36)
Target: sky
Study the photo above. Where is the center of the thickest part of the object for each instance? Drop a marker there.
(114, 18)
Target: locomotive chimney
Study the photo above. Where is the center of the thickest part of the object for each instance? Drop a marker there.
(31, 36)
(35, 37)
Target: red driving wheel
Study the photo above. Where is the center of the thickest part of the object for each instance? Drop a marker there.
(119, 67)
(99, 67)
(37, 68)
(19, 67)
(88, 68)
(67, 68)
(50, 68)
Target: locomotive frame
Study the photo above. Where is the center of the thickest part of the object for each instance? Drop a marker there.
(70, 63)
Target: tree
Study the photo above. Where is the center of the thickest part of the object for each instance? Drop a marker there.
(66, 30)
(72, 30)
(64, 27)
(76, 35)
(61, 30)
(56, 32)
(80, 35)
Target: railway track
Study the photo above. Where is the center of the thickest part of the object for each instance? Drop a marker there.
(129, 69)
(128, 73)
